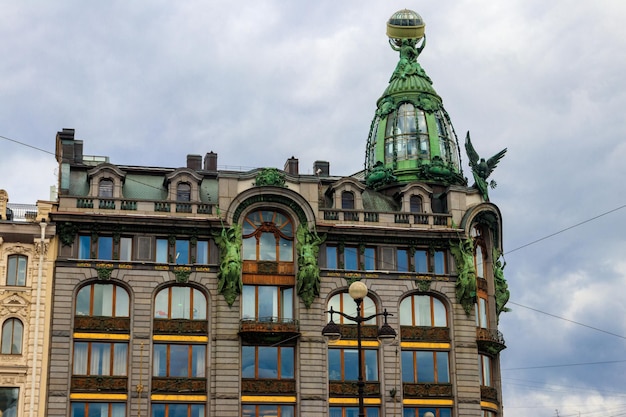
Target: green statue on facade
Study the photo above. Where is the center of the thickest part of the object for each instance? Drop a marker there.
(308, 278)
(463, 252)
(481, 169)
(229, 275)
(502, 288)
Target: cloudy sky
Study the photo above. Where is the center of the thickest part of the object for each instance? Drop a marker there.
(148, 82)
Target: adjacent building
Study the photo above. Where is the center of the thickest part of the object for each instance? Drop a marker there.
(27, 253)
(196, 291)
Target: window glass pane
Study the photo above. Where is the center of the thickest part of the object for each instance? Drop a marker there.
(440, 262)
(83, 301)
(347, 200)
(406, 312)
(442, 368)
(425, 367)
(180, 303)
(422, 310)
(334, 364)
(371, 365)
(105, 188)
(102, 300)
(368, 308)
(84, 247)
(351, 365)
(370, 259)
(403, 260)
(161, 251)
(389, 259)
(247, 361)
(407, 367)
(408, 412)
(182, 252)
(202, 252)
(286, 411)
(120, 354)
(17, 270)
(183, 192)
(249, 249)
(287, 304)
(479, 262)
(121, 302)
(286, 250)
(331, 257)
(197, 410)
(158, 410)
(351, 258)
(80, 358)
(126, 248)
(179, 360)
(198, 367)
(100, 361)
(268, 362)
(105, 247)
(159, 360)
(161, 307)
(78, 409)
(248, 302)
(267, 250)
(420, 259)
(286, 363)
(441, 318)
(268, 302)
(199, 305)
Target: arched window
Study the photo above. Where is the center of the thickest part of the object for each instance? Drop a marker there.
(12, 334)
(105, 188)
(416, 205)
(102, 300)
(423, 310)
(268, 236)
(180, 302)
(183, 191)
(406, 136)
(344, 303)
(16, 272)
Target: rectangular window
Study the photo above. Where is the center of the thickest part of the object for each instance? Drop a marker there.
(202, 252)
(440, 262)
(481, 313)
(343, 365)
(351, 258)
(353, 412)
(369, 260)
(100, 358)
(16, 274)
(126, 248)
(84, 247)
(9, 398)
(420, 260)
(388, 259)
(331, 257)
(402, 260)
(105, 248)
(420, 412)
(179, 361)
(267, 362)
(182, 252)
(484, 366)
(267, 303)
(144, 248)
(423, 366)
(176, 410)
(162, 249)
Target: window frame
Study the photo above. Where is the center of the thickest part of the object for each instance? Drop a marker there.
(114, 300)
(190, 297)
(15, 393)
(259, 227)
(8, 344)
(370, 359)
(17, 274)
(89, 361)
(106, 190)
(280, 358)
(258, 408)
(196, 360)
(416, 362)
(437, 309)
(281, 300)
(200, 408)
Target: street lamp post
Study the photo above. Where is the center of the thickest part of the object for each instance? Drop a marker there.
(332, 331)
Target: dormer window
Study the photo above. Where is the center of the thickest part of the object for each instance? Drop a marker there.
(416, 205)
(183, 192)
(105, 188)
(347, 200)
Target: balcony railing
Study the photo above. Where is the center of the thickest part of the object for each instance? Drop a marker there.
(268, 329)
(358, 216)
(490, 341)
(143, 206)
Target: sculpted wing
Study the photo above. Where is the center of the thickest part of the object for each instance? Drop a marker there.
(471, 152)
(493, 161)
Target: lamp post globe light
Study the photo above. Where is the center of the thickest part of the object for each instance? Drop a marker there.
(332, 331)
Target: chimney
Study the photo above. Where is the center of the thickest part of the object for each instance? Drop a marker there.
(321, 168)
(210, 161)
(291, 166)
(194, 162)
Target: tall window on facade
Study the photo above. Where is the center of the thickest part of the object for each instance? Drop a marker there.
(447, 140)
(484, 368)
(268, 362)
(16, 271)
(180, 302)
(105, 188)
(183, 191)
(267, 303)
(268, 236)
(9, 398)
(12, 337)
(100, 358)
(102, 300)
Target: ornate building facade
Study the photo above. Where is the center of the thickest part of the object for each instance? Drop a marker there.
(27, 255)
(196, 291)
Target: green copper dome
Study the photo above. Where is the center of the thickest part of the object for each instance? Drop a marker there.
(411, 137)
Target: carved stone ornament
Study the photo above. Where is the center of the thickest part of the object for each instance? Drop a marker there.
(41, 247)
(15, 305)
(18, 250)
